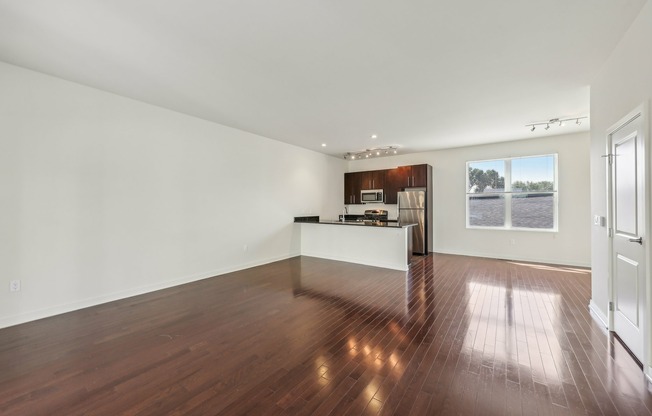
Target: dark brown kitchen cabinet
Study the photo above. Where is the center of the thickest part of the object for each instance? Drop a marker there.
(419, 176)
(395, 180)
(352, 183)
(391, 181)
(402, 177)
(374, 179)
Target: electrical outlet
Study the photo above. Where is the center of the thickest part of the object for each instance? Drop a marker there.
(512, 241)
(14, 286)
(245, 247)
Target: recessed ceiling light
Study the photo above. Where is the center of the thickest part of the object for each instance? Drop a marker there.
(323, 145)
(374, 136)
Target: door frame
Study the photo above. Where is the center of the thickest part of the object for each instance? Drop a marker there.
(640, 112)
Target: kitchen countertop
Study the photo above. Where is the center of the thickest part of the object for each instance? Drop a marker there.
(381, 224)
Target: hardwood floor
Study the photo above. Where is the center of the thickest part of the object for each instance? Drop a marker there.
(305, 336)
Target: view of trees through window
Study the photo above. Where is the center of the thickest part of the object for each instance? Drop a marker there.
(480, 180)
(520, 186)
(526, 200)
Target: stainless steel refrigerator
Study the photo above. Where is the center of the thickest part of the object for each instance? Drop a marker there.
(412, 210)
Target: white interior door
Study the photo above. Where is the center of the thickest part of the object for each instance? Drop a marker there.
(629, 240)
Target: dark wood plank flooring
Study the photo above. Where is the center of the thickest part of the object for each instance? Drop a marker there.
(454, 335)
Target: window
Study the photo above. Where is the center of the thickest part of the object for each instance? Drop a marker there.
(514, 193)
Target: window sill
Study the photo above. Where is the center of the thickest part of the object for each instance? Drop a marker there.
(536, 230)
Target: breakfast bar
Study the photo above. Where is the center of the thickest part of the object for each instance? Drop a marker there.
(373, 243)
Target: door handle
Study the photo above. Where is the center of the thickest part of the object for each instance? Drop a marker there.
(636, 240)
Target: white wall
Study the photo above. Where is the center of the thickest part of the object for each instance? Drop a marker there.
(103, 197)
(569, 246)
(622, 84)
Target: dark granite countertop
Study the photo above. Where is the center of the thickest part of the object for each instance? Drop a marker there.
(383, 224)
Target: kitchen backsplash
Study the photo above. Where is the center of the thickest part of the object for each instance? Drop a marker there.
(392, 209)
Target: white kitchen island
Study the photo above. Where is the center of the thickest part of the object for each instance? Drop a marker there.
(387, 245)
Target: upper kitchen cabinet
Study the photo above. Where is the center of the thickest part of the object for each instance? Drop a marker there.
(391, 181)
(419, 176)
(402, 177)
(374, 179)
(395, 180)
(352, 183)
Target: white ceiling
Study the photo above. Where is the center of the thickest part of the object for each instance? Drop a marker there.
(421, 74)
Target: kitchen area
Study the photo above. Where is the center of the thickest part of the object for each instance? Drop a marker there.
(385, 220)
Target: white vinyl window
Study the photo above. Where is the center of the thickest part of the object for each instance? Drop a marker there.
(512, 193)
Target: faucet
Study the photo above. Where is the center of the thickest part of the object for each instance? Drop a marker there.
(345, 211)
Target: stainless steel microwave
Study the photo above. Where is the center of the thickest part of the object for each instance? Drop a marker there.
(372, 196)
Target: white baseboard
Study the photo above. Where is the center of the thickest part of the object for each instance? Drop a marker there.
(516, 258)
(7, 321)
(29, 316)
(598, 315)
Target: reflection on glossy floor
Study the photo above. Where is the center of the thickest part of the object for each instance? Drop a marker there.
(455, 335)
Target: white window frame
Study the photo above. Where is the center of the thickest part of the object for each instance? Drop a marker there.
(507, 195)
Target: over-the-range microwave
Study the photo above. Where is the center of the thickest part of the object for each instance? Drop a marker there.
(372, 196)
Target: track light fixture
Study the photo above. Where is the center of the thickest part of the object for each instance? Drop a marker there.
(375, 152)
(559, 121)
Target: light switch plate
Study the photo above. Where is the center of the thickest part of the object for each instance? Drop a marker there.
(598, 220)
